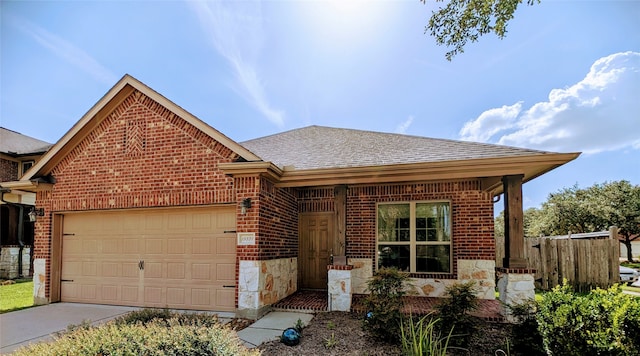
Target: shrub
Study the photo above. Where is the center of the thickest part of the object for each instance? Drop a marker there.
(384, 303)
(153, 338)
(423, 338)
(147, 315)
(454, 310)
(525, 335)
(602, 322)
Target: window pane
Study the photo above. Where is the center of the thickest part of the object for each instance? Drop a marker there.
(431, 258)
(432, 222)
(394, 256)
(393, 222)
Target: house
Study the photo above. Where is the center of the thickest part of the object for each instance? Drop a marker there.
(146, 205)
(18, 153)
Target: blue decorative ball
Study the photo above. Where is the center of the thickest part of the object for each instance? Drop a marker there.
(290, 337)
(369, 315)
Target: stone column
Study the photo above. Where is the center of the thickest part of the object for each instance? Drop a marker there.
(515, 286)
(339, 288)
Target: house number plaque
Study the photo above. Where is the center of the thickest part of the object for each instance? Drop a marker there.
(246, 238)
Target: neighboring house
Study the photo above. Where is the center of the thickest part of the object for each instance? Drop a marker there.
(146, 205)
(18, 153)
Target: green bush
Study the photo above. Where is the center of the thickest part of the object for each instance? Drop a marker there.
(384, 303)
(158, 337)
(454, 309)
(525, 336)
(423, 337)
(602, 322)
(147, 315)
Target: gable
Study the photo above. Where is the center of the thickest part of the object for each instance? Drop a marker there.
(115, 104)
(142, 149)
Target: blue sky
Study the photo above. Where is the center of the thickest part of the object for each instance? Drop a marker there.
(566, 78)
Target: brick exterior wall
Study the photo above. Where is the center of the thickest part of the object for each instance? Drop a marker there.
(316, 200)
(8, 170)
(273, 216)
(278, 223)
(471, 210)
(141, 155)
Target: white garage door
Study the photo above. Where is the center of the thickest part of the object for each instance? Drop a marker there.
(176, 258)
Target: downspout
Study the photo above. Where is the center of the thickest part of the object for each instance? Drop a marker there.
(20, 227)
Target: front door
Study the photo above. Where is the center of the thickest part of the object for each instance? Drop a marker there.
(316, 247)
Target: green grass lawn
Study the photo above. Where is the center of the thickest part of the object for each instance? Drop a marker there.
(634, 264)
(16, 296)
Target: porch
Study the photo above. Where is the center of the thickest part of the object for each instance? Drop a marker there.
(316, 301)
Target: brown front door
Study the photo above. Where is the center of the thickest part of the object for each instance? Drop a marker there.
(316, 247)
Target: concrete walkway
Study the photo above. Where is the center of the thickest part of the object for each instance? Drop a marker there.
(271, 326)
(28, 326)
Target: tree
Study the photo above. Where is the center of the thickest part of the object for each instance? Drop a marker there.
(618, 203)
(591, 209)
(530, 217)
(461, 21)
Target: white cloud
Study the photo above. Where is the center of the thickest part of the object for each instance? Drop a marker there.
(237, 36)
(599, 113)
(66, 50)
(402, 128)
(490, 123)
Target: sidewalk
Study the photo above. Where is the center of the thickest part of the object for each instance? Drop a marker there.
(32, 325)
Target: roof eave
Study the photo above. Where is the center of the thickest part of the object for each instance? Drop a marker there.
(27, 185)
(530, 166)
(245, 169)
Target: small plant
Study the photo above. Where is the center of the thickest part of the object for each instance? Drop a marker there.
(384, 303)
(299, 326)
(423, 338)
(331, 325)
(454, 310)
(331, 341)
(525, 335)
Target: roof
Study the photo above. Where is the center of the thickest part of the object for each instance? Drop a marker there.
(16, 144)
(318, 147)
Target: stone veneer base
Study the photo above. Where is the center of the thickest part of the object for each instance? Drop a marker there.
(515, 289)
(262, 283)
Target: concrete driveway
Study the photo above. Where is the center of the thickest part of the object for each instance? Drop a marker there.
(35, 324)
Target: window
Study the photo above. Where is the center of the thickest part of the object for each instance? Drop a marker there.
(415, 236)
(26, 165)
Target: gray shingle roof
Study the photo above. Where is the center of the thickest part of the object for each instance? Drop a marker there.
(316, 147)
(15, 144)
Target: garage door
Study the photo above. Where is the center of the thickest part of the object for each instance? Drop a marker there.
(176, 258)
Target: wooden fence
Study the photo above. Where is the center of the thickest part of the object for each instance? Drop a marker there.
(585, 260)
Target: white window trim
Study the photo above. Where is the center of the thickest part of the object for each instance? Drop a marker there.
(412, 234)
(22, 163)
